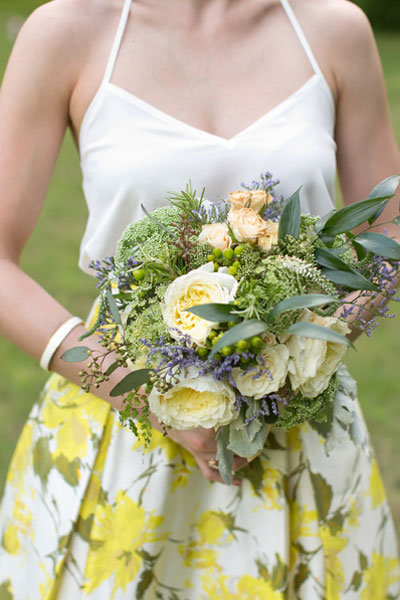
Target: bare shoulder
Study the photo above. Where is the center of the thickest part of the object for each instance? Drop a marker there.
(342, 36)
(60, 33)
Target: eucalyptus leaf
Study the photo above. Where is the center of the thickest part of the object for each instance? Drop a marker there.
(352, 216)
(318, 333)
(353, 280)
(386, 188)
(217, 313)
(130, 382)
(379, 244)
(76, 354)
(224, 455)
(113, 367)
(301, 301)
(113, 307)
(289, 223)
(242, 331)
(240, 444)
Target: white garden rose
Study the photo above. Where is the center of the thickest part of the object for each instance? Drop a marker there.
(215, 234)
(273, 368)
(200, 286)
(246, 224)
(254, 199)
(313, 362)
(270, 237)
(196, 401)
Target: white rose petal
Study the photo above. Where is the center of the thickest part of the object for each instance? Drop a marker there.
(275, 359)
(200, 286)
(196, 401)
(313, 362)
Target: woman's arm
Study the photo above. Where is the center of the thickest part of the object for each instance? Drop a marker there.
(366, 148)
(34, 114)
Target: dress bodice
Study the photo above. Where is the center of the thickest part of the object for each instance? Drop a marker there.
(134, 153)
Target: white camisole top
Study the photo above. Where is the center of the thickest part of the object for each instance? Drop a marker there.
(133, 153)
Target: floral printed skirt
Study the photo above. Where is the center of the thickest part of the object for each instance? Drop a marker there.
(87, 514)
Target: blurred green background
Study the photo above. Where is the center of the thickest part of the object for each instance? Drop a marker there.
(51, 258)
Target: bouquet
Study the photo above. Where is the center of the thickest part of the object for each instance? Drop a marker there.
(232, 315)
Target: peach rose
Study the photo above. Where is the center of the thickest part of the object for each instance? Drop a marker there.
(254, 199)
(270, 237)
(216, 234)
(246, 224)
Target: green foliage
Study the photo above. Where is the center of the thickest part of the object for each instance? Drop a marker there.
(140, 232)
(198, 255)
(300, 409)
(275, 282)
(147, 324)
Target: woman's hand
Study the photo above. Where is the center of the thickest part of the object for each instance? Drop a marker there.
(201, 443)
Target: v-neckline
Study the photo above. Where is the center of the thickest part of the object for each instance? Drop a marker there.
(182, 125)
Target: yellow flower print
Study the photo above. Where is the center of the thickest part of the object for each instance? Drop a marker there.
(376, 489)
(381, 574)
(196, 556)
(10, 540)
(293, 438)
(67, 396)
(118, 532)
(272, 482)
(21, 458)
(248, 588)
(301, 519)
(93, 489)
(212, 526)
(183, 462)
(354, 512)
(20, 527)
(335, 577)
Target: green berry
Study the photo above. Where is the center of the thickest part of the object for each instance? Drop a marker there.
(238, 250)
(214, 341)
(232, 324)
(227, 350)
(228, 253)
(236, 302)
(216, 266)
(210, 257)
(232, 270)
(202, 351)
(244, 360)
(218, 356)
(256, 342)
(212, 334)
(242, 345)
(217, 252)
(236, 264)
(139, 274)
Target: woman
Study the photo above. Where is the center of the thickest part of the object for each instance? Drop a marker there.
(180, 95)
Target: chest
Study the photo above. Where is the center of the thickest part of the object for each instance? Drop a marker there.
(217, 78)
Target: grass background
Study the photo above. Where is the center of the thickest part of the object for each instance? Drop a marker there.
(51, 257)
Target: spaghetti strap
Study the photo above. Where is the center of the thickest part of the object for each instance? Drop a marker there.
(302, 38)
(117, 42)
